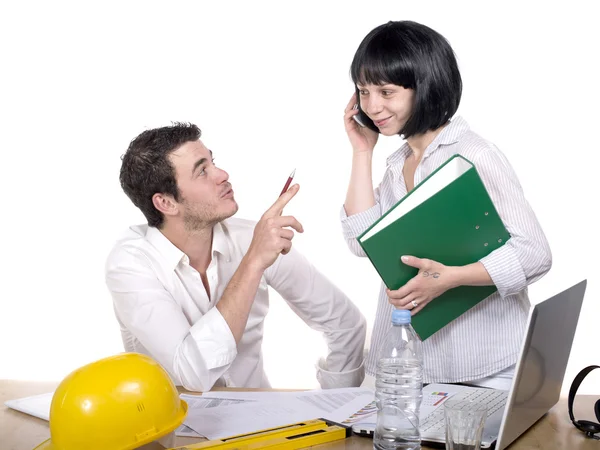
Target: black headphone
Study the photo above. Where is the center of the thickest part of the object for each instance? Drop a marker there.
(589, 428)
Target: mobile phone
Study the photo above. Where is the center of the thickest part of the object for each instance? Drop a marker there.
(357, 117)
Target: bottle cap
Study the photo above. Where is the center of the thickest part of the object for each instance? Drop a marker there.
(400, 316)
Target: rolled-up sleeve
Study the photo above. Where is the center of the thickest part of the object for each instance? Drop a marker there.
(325, 308)
(526, 256)
(196, 355)
(354, 225)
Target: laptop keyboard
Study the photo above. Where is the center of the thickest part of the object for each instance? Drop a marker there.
(434, 423)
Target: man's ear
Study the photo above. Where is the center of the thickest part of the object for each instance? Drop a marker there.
(166, 204)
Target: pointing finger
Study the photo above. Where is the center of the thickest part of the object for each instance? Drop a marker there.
(277, 208)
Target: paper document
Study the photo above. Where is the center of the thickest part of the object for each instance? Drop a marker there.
(276, 409)
(199, 402)
(220, 414)
(39, 406)
(366, 414)
(433, 400)
(253, 395)
(186, 431)
(337, 404)
(326, 400)
(35, 405)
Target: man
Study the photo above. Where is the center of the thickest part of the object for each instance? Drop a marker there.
(190, 289)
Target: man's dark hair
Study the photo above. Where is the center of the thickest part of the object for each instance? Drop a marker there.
(416, 57)
(146, 169)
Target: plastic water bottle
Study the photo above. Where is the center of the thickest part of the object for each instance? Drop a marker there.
(399, 387)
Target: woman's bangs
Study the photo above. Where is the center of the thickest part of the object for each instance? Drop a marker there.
(378, 70)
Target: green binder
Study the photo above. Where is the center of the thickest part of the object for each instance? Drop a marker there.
(448, 217)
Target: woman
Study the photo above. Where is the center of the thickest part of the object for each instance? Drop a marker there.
(408, 83)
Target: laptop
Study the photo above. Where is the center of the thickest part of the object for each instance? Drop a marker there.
(536, 385)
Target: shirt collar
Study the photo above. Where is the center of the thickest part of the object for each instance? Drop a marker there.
(165, 247)
(221, 241)
(174, 255)
(449, 135)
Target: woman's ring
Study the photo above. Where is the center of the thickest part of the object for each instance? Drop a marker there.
(414, 303)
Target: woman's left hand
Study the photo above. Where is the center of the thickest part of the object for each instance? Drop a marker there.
(432, 281)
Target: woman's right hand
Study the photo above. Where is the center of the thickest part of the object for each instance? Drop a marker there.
(362, 139)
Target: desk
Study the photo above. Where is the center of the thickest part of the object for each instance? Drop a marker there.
(553, 432)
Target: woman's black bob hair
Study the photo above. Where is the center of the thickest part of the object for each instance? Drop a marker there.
(414, 56)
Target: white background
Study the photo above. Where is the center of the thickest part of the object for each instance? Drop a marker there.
(267, 83)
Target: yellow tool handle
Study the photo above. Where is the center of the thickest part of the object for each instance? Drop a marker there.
(245, 440)
(300, 440)
(304, 440)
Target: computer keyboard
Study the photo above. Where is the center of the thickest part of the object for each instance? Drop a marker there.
(495, 399)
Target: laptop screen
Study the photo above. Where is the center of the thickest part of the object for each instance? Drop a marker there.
(541, 368)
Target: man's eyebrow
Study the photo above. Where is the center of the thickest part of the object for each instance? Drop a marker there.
(198, 164)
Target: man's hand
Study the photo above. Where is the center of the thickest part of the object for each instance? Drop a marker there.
(271, 237)
(432, 281)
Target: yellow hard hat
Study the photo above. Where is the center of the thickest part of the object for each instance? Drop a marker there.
(117, 403)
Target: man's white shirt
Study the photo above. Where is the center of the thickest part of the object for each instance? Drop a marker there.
(164, 311)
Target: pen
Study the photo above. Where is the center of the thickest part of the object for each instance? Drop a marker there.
(287, 183)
